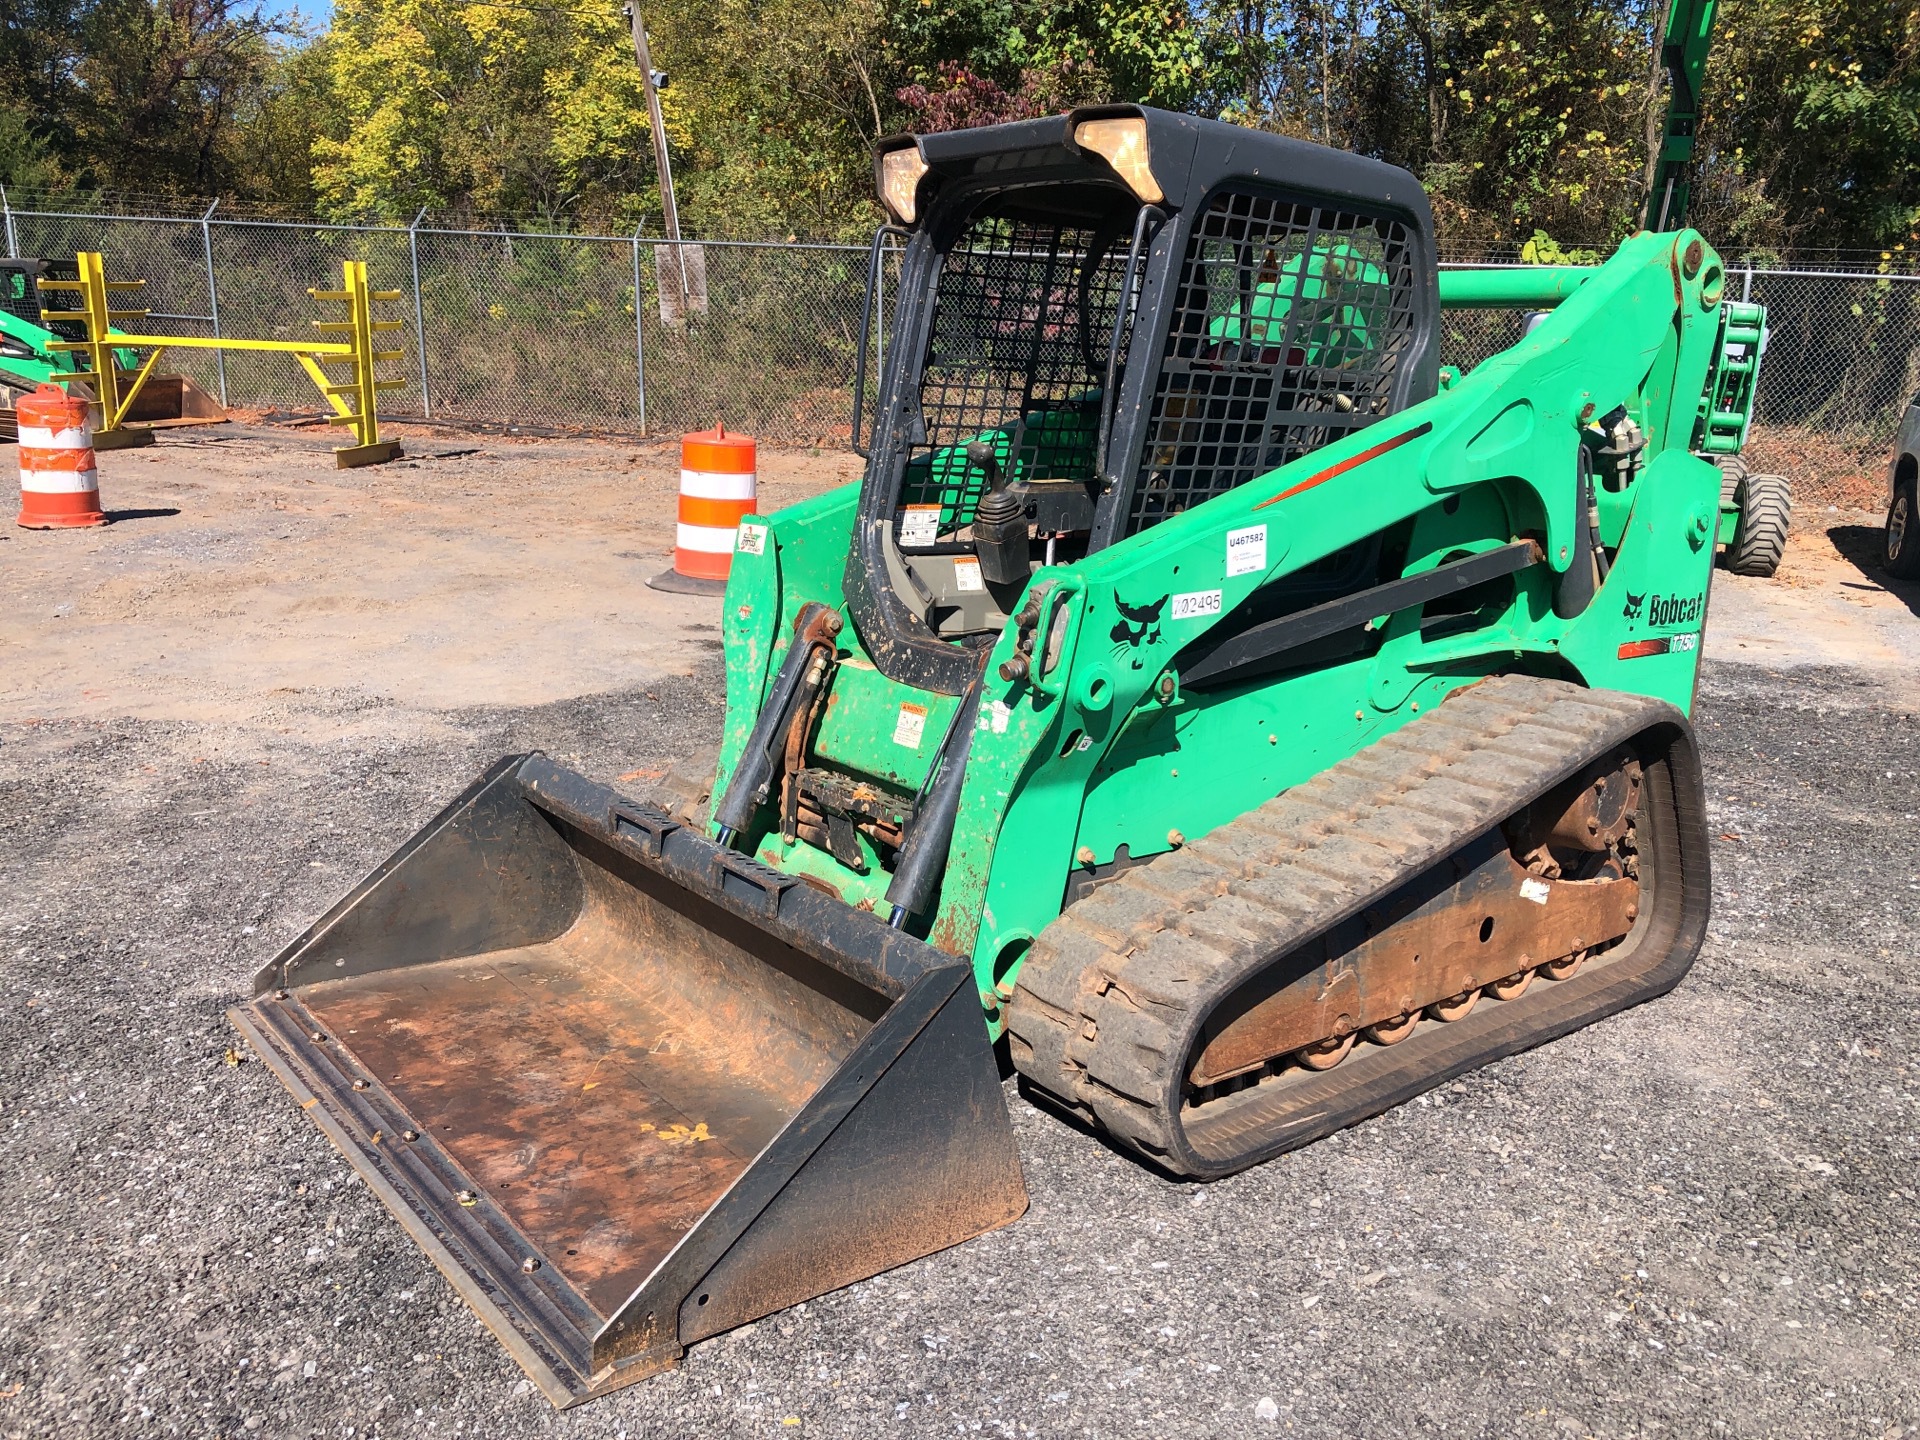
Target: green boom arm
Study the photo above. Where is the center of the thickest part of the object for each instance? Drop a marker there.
(1684, 53)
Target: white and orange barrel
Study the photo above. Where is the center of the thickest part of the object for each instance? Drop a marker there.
(717, 487)
(59, 486)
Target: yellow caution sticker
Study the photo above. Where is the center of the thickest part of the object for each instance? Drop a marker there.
(911, 726)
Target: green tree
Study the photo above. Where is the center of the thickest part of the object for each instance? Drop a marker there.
(1811, 131)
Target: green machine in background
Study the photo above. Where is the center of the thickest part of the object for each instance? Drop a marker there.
(28, 359)
(1194, 702)
(1756, 509)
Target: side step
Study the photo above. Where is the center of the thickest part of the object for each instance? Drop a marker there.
(629, 1089)
(1120, 997)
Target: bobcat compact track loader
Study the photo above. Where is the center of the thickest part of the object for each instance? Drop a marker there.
(1195, 695)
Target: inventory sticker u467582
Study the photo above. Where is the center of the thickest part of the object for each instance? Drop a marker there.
(1246, 551)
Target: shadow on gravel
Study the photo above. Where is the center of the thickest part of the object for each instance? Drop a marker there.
(1859, 546)
(160, 513)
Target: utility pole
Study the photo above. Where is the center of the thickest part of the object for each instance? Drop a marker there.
(669, 210)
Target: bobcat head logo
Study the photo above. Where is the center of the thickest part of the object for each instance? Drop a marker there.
(1138, 625)
(1631, 610)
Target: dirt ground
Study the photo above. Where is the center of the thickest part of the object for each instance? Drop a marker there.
(1696, 1218)
(243, 571)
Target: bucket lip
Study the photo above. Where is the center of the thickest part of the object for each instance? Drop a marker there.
(857, 943)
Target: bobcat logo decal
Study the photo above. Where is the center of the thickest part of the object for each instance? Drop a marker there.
(1137, 627)
(1631, 610)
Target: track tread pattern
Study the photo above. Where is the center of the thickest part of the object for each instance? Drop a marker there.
(1112, 996)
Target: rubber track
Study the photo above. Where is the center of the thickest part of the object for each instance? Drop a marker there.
(1114, 993)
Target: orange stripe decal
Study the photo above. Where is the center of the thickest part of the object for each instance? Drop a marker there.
(727, 513)
(1352, 462)
(721, 457)
(702, 566)
(32, 457)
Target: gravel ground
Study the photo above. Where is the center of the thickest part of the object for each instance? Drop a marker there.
(1696, 1218)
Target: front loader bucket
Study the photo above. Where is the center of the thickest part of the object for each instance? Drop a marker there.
(629, 1089)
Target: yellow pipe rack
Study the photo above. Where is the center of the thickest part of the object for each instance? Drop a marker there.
(355, 402)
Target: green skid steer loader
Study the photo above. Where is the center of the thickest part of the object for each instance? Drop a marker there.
(1194, 699)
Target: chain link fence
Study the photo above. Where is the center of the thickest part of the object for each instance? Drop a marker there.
(549, 332)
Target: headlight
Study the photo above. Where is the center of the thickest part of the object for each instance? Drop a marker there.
(1123, 144)
(900, 173)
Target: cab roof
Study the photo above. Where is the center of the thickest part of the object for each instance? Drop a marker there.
(1190, 158)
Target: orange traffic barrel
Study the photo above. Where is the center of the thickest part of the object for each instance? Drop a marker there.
(717, 488)
(59, 486)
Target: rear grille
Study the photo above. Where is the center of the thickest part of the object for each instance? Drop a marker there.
(1290, 329)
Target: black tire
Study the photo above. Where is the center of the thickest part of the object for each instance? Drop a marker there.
(1760, 539)
(1900, 549)
(1732, 471)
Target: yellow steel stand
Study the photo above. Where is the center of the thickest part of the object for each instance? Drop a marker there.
(104, 374)
(361, 387)
(355, 403)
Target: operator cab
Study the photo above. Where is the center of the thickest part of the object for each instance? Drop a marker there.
(1106, 318)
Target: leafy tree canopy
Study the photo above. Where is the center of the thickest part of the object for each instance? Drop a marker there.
(1530, 124)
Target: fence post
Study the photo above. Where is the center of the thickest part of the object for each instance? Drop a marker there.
(639, 352)
(1746, 287)
(6, 206)
(213, 297)
(419, 315)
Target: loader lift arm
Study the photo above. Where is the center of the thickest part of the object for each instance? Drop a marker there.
(1684, 54)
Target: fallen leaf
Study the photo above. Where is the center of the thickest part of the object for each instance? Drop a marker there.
(681, 1135)
(1728, 835)
(642, 775)
(590, 1084)
(12, 1390)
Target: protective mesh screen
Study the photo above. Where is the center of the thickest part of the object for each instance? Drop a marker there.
(1289, 330)
(1023, 319)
